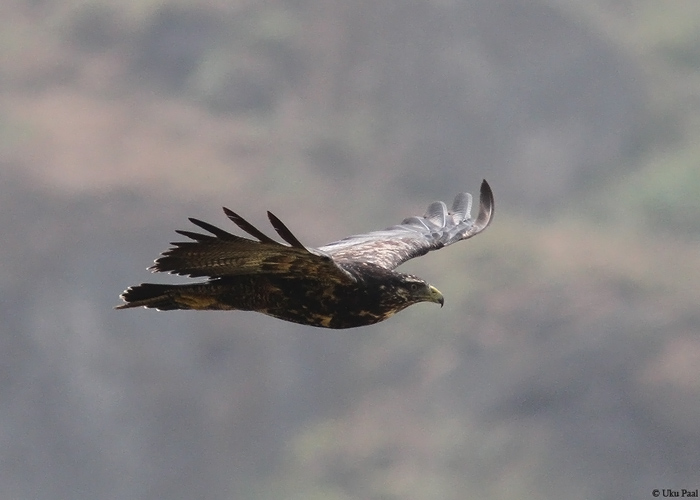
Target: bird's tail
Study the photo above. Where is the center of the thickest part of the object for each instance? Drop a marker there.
(169, 297)
(150, 295)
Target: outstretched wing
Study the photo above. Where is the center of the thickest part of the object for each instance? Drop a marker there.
(224, 254)
(417, 236)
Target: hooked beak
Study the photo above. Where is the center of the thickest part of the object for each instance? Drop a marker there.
(436, 296)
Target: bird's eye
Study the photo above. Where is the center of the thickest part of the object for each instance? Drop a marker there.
(414, 287)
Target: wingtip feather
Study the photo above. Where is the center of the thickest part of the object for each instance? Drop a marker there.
(248, 227)
(284, 231)
(437, 213)
(486, 206)
(218, 232)
(461, 207)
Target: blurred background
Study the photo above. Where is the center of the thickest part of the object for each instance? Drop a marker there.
(566, 361)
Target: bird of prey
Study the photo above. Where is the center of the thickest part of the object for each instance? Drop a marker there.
(344, 284)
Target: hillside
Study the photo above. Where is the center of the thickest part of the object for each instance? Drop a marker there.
(565, 363)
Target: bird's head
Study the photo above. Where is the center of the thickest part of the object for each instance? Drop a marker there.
(413, 290)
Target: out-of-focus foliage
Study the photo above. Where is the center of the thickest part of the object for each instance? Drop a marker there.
(566, 361)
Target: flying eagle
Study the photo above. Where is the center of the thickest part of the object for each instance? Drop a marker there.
(345, 284)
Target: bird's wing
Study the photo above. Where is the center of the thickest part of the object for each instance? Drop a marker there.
(224, 254)
(417, 236)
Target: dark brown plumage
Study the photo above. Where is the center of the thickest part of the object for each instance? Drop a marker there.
(345, 284)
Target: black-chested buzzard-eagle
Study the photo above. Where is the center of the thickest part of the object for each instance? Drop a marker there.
(344, 284)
